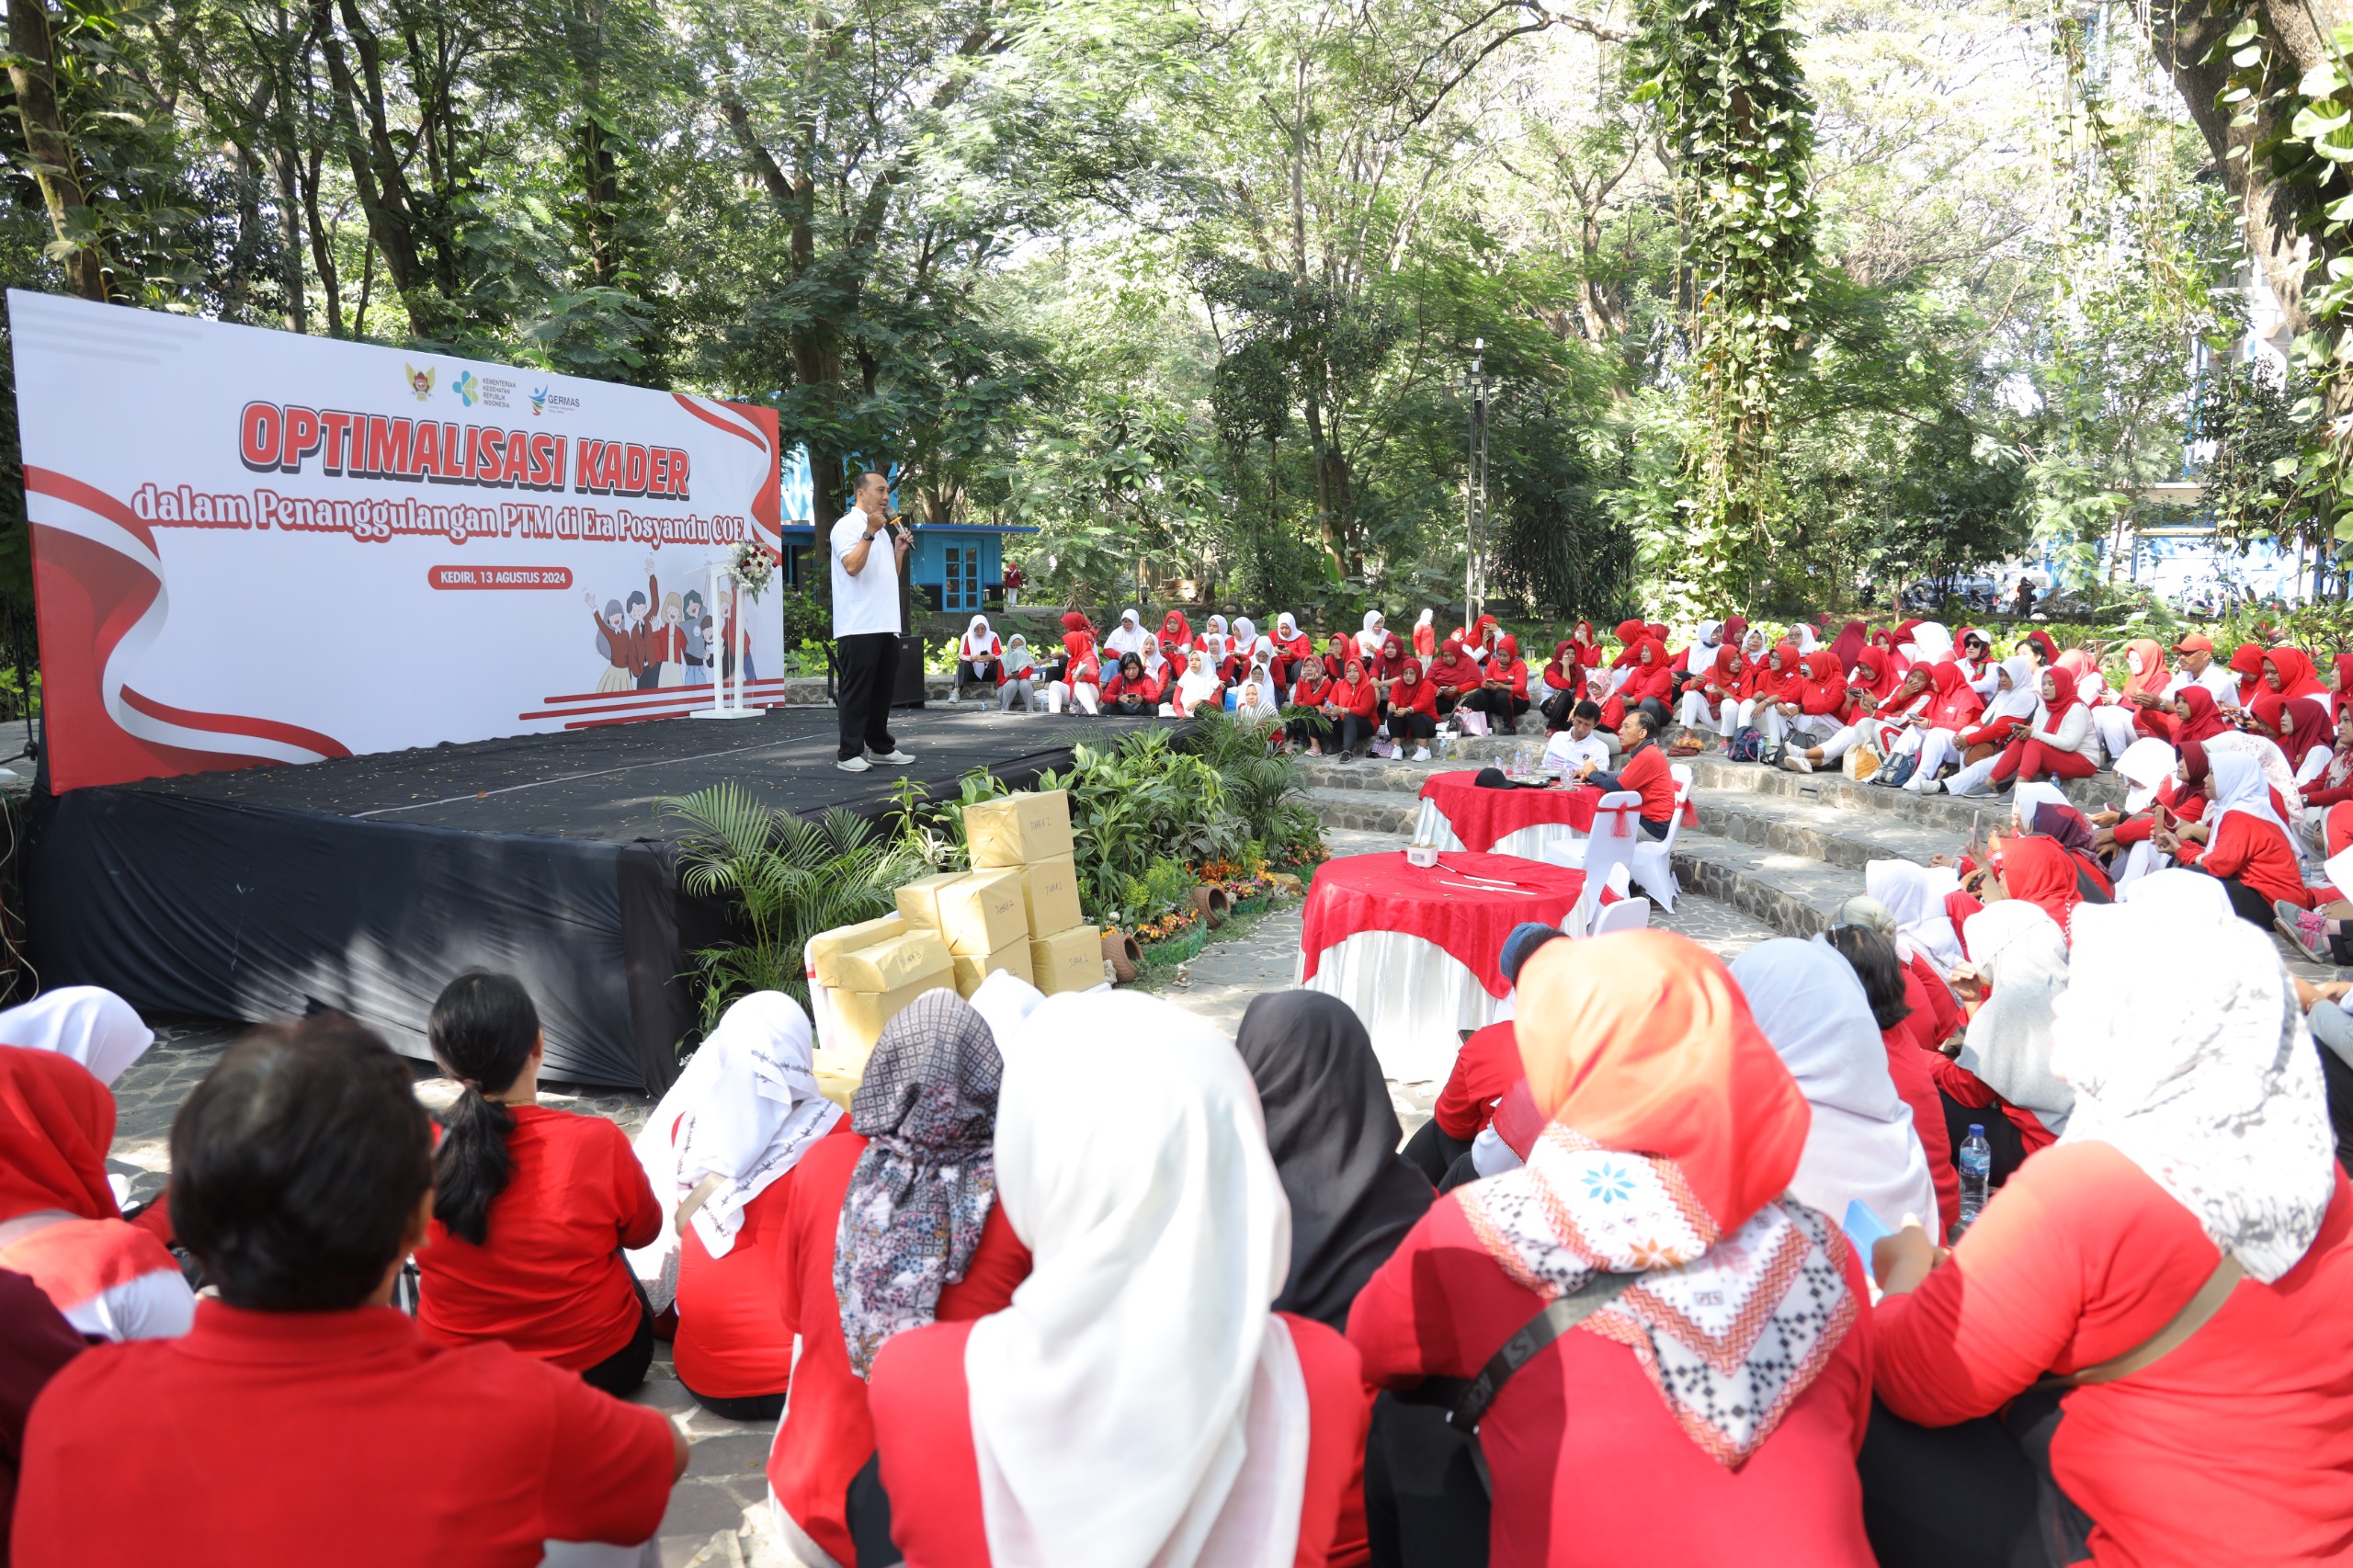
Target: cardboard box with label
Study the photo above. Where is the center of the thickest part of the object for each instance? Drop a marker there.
(894, 963)
(983, 911)
(919, 899)
(1016, 830)
(826, 948)
(858, 1016)
(971, 970)
(1050, 896)
(1068, 961)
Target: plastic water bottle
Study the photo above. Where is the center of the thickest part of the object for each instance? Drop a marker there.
(1975, 1161)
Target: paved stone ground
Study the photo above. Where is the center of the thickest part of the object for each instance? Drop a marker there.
(716, 1515)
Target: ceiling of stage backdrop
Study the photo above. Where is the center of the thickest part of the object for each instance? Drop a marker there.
(253, 546)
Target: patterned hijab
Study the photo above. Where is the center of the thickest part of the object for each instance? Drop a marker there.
(1674, 1134)
(922, 1189)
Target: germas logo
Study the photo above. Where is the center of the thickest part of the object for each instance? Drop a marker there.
(539, 403)
(468, 389)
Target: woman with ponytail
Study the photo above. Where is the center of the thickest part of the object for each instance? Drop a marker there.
(531, 1207)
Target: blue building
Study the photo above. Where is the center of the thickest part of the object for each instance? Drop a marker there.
(958, 567)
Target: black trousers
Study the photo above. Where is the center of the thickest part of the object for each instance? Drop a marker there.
(1977, 1494)
(1407, 725)
(869, 672)
(1305, 728)
(741, 1408)
(1430, 1151)
(620, 1373)
(1355, 729)
(2001, 1134)
(1425, 1505)
(1557, 710)
(1501, 706)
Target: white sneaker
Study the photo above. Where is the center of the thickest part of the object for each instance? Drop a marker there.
(894, 757)
(1925, 786)
(1797, 762)
(853, 763)
(1421, 754)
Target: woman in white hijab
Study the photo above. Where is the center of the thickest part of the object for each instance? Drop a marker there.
(2191, 1216)
(1256, 698)
(1198, 689)
(88, 1023)
(1915, 896)
(976, 656)
(1128, 637)
(1931, 641)
(2023, 956)
(1137, 1404)
(1020, 678)
(1213, 640)
(1861, 1147)
(729, 1131)
(1375, 634)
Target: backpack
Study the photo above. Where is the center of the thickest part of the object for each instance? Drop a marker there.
(1899, 772)
(1747, 745)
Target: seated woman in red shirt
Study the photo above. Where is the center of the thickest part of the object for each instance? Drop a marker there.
(892, 1224)
(2196, 1188)
(1872, 957)
(1412, 710)
(303, 1419)
(58, 1218)
(1503, 690)
(1711, 1411)
(531, 1208)
(722, 1151)
(1131, 691)
(1101, 1415)
(2243, 841)
(1352, 710)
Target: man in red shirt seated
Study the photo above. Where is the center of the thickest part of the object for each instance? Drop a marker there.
(1643, 768)
(303, 1419)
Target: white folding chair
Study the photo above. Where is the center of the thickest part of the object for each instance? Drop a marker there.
(1603, 853)
(1653, 869)
(1626, 914)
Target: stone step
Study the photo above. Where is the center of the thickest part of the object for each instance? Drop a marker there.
(1387, 811)
(1796, 894)
(1821, 830)
(1939, 810)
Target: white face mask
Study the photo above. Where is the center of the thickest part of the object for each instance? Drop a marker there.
(2132, 663)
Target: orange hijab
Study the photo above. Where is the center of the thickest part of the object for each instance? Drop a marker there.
(1642, 1042)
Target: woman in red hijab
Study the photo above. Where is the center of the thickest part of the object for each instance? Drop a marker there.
(1717, 1403)
(1647, 676)
(1412, 710)
(1502, 687)
(1563, 679)
(2146, 680)
(1712, 702)
(2199, 718)
(1337, 654)
(1310, 729)
(2059, 744)
(2289, 672)
(2246, 661)
(1847, 646)
(58, 1218)
(2301, 725)
(1384, 670)
(1631, 635)
(2342, 698)
(2038, 870)
(1175, 634)
(1451, 675)
(1353, 708)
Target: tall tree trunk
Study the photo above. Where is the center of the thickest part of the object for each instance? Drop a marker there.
(33, 70)
(2182, 32)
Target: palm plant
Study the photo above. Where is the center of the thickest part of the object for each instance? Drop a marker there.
(788, 878)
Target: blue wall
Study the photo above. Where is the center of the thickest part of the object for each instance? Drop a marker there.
(927, 568)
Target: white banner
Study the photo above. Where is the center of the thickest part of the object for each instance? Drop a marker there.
(253, 546)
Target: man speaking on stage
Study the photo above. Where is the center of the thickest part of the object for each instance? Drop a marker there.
(866, 625)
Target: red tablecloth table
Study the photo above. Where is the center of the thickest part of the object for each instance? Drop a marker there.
(1416, 952)
(1481, 819)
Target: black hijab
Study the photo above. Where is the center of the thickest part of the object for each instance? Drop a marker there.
(1334, 1135)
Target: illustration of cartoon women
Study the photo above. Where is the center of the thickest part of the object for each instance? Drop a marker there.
(698, 639)
(615, 644)
(670, 644)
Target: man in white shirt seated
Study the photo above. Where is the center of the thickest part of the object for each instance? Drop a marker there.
(1579, 743)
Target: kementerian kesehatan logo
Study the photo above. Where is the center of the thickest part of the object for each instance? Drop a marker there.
(419, 381)
(539, 403)
(466, 387)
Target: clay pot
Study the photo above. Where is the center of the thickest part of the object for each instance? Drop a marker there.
(1210, 904)
(1125, 956)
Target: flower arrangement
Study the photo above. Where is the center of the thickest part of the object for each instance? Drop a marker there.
(752, 567)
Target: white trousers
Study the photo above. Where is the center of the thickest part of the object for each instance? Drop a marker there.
(1761, 715)
(2113, 724)
(1694, 714)
(1082, 697)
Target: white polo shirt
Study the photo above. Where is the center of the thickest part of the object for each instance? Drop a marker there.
(869, 601)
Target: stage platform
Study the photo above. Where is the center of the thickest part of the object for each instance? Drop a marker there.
(365, 883)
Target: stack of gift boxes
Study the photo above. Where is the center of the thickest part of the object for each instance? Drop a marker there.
(1016, 910)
